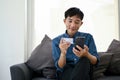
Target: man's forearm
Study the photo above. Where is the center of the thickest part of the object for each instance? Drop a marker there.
(92, 58)
(62, 60)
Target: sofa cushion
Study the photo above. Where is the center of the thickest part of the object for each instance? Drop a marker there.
(114, 68)
(105, 58)
(41, 58)
(49, 72)
(114, 46)
(109, 78)
(42, 78)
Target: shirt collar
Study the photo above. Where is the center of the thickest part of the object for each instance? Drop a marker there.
(66, 34)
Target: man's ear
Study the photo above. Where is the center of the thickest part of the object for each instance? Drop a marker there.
(64, 20)
(81, 23)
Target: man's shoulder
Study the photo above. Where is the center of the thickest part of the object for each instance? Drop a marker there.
(57, 38)
(85, 34)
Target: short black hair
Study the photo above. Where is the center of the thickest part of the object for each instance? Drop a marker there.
(74, 11)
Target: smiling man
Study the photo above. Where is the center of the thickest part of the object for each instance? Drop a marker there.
(72, 63)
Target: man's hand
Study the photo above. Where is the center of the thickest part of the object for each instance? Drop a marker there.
(64, 45)
(81, 52)
(85, 53)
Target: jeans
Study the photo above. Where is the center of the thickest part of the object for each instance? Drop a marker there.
(80, 71)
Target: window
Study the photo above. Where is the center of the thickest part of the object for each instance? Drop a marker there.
(101, 20)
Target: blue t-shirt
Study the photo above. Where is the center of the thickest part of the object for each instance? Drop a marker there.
(71, 58)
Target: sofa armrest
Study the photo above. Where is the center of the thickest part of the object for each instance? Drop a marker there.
(20, 72)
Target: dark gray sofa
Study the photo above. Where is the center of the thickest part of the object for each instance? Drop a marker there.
(40, 65)
(23, 72)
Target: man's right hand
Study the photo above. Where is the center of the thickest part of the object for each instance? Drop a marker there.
(64, 45)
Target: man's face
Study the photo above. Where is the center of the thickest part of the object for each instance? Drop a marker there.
(72, 24)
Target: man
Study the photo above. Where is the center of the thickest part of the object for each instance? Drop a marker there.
(72, 63)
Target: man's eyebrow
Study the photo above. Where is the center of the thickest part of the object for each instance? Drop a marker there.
(77, 20)
(72, 19)
(69, 18)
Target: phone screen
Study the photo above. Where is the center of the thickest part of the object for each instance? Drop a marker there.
(80, 42)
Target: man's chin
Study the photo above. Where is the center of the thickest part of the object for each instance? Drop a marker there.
(72, 32)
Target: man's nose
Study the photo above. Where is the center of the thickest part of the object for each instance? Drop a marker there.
(73, 24)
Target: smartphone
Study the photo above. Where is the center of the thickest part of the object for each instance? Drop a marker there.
(80, 42)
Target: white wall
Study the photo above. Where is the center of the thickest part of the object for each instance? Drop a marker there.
(101, 20)
(119, 16)
(12, 33)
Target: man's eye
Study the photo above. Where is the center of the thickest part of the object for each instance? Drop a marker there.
(70, 21)
(76, 22)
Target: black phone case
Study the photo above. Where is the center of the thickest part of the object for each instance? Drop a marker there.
(80, 42)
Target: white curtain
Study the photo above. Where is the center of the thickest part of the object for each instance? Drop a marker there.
(101, 20)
